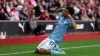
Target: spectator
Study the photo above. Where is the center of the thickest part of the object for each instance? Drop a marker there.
(3, 15)
(24, 13)
(32, 14)
(40, 5)
(33, 3)
(21, 1)
(97, 22)
(3, 4)
(98, 13)
(15, 14)
(83, 15)
(45, 16)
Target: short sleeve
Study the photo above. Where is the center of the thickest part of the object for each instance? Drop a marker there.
(68, 21)
(60, 14)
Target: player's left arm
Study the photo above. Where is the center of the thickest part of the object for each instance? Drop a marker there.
(73, 23)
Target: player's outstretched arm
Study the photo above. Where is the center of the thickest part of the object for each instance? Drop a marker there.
(73, 23)
(60, 9)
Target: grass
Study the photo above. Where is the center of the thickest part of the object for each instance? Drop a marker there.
(90, 51)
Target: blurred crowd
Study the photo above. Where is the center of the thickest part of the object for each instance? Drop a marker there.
(16, 10)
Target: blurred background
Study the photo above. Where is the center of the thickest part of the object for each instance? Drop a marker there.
(24, 23)
(36, 17)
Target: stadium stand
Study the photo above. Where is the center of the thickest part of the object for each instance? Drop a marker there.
(16, 10)
(26, 9)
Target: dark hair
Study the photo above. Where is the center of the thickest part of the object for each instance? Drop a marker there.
(70, 9)
(66, 10)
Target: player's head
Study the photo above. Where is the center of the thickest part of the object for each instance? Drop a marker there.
(65, 12)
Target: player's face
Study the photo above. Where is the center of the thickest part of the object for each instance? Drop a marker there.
(65, 13)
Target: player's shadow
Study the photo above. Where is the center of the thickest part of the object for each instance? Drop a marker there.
(47, 55)
(37, 54)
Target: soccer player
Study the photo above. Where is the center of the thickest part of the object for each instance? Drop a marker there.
(51, 43)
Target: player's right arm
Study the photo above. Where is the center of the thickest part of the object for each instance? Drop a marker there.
(59, 12)
(73, 23)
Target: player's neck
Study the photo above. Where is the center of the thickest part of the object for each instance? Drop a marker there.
(65, 16)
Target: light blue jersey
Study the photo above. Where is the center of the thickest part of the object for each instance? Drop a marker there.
(60, 30)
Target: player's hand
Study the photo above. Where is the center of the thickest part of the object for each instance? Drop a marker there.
(70, 16)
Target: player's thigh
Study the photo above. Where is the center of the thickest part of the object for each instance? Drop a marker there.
(42, 43)
(49, 45)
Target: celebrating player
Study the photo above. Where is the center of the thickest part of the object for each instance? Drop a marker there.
(51, 43)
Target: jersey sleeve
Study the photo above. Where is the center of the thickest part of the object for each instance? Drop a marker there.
(60, 14)
(68, 21)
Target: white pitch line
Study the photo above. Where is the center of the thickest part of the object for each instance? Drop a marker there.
(16, 53)
(77, 47)
(81, 47)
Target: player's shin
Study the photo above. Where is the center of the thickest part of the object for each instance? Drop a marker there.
(57, 52)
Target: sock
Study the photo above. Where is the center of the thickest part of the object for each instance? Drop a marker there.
(57, 52)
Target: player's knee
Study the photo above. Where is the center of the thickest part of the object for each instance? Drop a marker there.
(36, 51)
(42, 51)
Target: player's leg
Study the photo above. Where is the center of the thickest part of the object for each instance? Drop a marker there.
(43, 51)
(52, 51)
(45, 46)
(36, 51)
(50, 47)
(40, 45)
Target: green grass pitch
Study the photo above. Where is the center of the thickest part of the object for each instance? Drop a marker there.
(72, 48)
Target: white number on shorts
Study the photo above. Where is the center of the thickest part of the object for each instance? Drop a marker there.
(51, 43)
